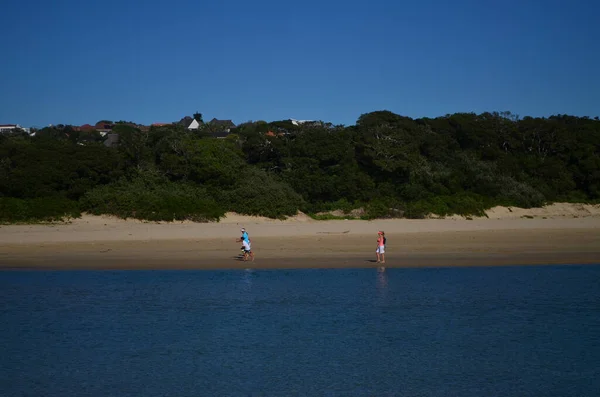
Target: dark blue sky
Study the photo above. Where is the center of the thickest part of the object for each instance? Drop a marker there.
(76, 62)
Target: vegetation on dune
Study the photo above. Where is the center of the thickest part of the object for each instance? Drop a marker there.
(149, 195)
(37, 210)
(385, 165)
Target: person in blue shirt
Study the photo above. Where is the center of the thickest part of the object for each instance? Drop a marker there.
(246, 245)
(245, 235)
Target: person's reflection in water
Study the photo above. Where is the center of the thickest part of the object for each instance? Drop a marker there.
(246, 295)
(382, 282)
(247, 279)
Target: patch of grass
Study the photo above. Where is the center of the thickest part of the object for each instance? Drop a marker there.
(330, 217)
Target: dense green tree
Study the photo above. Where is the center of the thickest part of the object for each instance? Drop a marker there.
(388, 164)
(41, 168)
(148, 194)
(134, 146)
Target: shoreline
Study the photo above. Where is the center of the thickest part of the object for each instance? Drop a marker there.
(92, 244)
(554, 235)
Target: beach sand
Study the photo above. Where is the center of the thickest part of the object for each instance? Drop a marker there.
(558, 234)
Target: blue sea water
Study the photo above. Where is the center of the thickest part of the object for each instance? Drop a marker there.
(489, 331)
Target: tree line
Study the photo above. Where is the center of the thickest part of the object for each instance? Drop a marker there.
(386, 165)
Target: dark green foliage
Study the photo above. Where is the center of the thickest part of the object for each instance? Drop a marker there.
(182, 155)
(45, 167)
(343, 205)
(149, 195)
(460, 204)
(258, 193)
(387, 165)
(41, 209)
(320, 164)
(378, 208)
(134, 145)
(518, 194)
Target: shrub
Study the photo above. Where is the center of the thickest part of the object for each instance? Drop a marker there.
(376, 209)
(466, 204)
(42, 209)
(519, 194)
(417, 210)
(330, 217)
(261, 194)
(343, 205)
(459, 204)
(152, 197)
(385, 207)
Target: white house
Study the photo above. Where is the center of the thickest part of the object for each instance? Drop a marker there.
(9, 127)
(193, 125)
(300, 122)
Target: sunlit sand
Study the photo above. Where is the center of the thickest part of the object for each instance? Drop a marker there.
(559, 234)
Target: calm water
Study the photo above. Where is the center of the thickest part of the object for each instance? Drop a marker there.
(505, 331)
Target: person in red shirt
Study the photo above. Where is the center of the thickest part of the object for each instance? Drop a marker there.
(380, 252)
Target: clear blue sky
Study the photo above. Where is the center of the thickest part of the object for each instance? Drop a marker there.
(76, 61)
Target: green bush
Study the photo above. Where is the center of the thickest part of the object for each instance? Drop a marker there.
(343, 205)
(417, 210)
(464, 204)
(261, 194)
(376, 209)
(42, 209)
(384, 207)
(519, 194)
(49, 168)
(329, 217)
(149, 196)
(435, 205)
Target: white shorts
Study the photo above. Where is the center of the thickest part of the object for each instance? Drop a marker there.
(246, 245)
(380, 250)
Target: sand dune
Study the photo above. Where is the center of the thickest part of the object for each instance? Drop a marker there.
(553, 211)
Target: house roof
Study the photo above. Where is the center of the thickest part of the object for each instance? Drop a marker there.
(104, 125)
(223, 123)
(9, 125)
(186, 121)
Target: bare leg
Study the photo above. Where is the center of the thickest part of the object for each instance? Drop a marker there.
(383, 258)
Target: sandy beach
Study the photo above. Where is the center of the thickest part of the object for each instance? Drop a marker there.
(558, 234)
